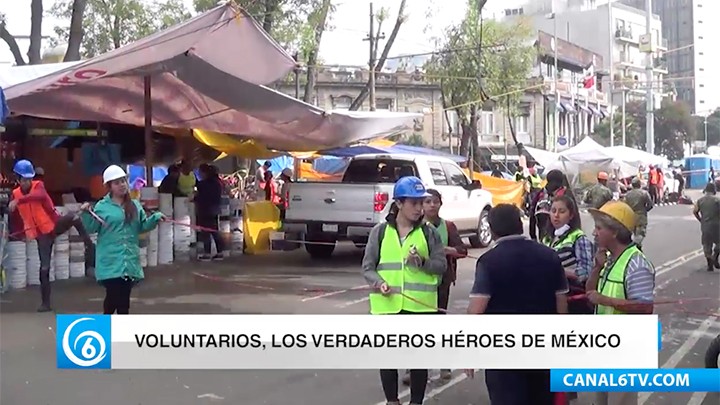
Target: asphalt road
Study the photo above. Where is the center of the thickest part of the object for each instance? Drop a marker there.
(292, 283)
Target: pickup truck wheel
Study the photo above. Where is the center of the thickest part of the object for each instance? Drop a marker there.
(323, 250)
(483, 238)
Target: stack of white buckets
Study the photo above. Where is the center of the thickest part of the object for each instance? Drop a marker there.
(165, 231)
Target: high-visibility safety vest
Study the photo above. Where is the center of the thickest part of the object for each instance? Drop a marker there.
(536, 181)
(36, 220)
(565, 248)
(612, 281)
(401, 277)
(442, 230)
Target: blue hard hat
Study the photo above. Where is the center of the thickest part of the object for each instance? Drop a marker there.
(24, 169)
(409, 187)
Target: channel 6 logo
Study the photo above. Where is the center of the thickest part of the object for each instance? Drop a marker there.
(83, 341)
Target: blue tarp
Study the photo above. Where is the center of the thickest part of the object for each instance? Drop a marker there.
(330, 165)
(278, 164)
(136, 172)
(4, 109)
(351, 151)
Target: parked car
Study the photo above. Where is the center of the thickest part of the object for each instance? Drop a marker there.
(330, 212)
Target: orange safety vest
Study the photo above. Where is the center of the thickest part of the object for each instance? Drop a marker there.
(36, 220)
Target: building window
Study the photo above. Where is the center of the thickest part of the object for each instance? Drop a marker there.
(521, 124)
(701, 69)
(342, 103)
(488, 122)
(702, 85)
(384, 104)
(702, 101)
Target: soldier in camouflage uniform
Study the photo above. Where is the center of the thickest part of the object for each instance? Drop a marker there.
(641, 203)
(599, 194)
(707, 211)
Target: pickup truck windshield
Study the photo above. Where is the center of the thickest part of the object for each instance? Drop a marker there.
(378, 170)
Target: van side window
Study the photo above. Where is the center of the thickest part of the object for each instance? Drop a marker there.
(455, 175)
(438, 174)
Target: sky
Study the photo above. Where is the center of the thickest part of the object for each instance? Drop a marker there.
(343, 45)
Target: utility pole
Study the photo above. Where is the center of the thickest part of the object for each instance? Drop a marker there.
(650, 119)
(371, 63)
(624, 96)
(611, 81)
(556, 117)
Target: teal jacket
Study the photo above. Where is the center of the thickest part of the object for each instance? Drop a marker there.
(118, 244)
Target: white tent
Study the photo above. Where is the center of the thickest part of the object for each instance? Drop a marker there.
(543, 157)
(207, 73)
(589, 157)
(636, 157)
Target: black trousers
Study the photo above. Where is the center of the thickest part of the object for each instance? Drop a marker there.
(418, 380)
(117, 296)
(45, 246)
(653, 190)
(519, 387)
(210, 221)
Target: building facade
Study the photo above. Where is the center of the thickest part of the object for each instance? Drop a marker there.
(338, 86)
(591, 29)
(688, 27)
(555, 115)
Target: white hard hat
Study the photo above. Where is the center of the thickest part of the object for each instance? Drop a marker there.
(113, 172)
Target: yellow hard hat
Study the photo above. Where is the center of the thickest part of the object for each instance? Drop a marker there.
(618, 211)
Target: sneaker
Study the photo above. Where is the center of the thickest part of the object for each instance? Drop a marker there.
(204, 258)
(218, 257)
(44, 308)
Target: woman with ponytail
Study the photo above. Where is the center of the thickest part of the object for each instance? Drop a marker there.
(118, 220)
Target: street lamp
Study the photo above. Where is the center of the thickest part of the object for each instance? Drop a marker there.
(556, 113)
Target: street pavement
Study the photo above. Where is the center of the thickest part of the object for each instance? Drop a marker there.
(290, 282)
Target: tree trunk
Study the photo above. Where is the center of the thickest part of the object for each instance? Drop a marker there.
(474, 142)
(12, 44)
(312, 58)
(512, 128)
(360, 99)
(271, 7)
(76, 31)
(36, 17)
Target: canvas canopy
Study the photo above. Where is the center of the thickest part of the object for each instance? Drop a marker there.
(636, 157)
(207, 73)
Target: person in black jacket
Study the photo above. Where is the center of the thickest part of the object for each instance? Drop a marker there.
(207, 209)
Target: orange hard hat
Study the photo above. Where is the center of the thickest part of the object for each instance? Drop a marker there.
(602, 176)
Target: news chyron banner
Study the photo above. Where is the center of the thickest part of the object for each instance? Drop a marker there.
(357, 342)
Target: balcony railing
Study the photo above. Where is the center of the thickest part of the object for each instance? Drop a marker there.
(625, 34)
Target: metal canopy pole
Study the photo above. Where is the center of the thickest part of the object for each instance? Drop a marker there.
(149, 158)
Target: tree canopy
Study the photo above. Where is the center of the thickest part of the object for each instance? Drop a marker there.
(674, 127)
(110, 24)
(482, 63)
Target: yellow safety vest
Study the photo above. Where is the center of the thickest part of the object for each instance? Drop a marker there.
(612, 281)
(536, 181)
(443, 231)
(400, 277)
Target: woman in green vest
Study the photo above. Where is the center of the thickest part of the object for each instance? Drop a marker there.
(566, 237)
(454, 249)
(404, 261)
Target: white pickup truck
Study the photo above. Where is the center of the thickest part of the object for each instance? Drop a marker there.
(329, 212)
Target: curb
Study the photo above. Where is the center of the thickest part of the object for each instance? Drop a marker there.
(665, 204)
